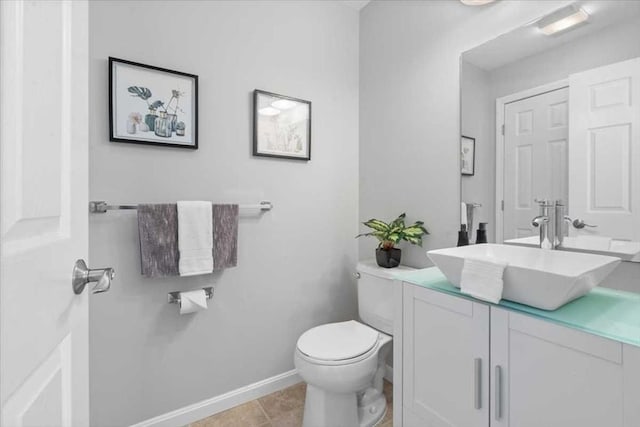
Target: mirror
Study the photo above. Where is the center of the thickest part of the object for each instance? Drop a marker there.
(556, 117)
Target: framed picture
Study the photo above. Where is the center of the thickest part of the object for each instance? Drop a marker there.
(468, 155)
(281, 126)
(152, 105)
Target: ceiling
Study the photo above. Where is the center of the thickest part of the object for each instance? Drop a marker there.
(527, 40)
(355, 4)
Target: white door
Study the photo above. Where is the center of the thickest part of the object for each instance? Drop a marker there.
(445, 343)
(604, 150)
(543, 374)
(535, 158)
(43, 210)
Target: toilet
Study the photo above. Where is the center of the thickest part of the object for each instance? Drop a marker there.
(344, 363)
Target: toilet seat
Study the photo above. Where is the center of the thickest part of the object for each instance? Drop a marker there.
(338, 343)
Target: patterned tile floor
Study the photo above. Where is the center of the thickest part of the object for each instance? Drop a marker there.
(283, 408)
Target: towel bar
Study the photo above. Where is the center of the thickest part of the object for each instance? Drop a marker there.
(100, 206)
(174, 297)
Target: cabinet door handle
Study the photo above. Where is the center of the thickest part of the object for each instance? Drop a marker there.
(477, 383)
(498, 391)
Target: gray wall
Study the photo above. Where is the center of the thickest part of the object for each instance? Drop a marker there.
(409, 107)
(478, 118)
(295, 263)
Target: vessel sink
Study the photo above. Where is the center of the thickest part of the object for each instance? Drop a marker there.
(540, 278)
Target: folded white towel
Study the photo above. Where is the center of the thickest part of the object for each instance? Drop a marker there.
(482, 278)
(195, 238)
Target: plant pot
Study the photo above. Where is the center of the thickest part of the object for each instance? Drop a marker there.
(388, 258)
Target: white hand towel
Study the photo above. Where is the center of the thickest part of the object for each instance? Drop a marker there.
(195, 238)
(482, 278)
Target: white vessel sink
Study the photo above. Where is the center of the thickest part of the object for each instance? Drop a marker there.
(623, 249)
(540, 278)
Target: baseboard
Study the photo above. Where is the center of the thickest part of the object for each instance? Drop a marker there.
(208, 407)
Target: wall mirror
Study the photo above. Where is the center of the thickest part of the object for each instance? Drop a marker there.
(554, 110)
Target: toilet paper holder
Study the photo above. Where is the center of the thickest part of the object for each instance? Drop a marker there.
(174, 297)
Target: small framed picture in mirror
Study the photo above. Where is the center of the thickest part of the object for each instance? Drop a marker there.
(468, 155)
(281, 126)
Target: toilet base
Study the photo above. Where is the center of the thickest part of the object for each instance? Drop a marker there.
(371, 408)
(322, 409)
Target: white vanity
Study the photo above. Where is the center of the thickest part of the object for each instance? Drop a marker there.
(459, 362)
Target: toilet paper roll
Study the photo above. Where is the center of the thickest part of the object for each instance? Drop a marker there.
(193, 301)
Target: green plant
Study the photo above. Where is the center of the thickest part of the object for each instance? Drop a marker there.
(390, 234)
(144, 94)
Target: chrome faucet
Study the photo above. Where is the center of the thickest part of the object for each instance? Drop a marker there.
(561, 223)
(552, 223)
(546, 222)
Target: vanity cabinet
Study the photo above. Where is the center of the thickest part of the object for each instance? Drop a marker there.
(470, 364)
(544, 374)
(445, 360)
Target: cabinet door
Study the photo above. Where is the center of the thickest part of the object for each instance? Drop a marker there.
(445, 360)
(544, 374)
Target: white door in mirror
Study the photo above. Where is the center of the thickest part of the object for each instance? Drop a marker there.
(535, 158)
(604, 150)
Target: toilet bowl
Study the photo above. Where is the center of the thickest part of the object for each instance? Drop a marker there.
(344, 363)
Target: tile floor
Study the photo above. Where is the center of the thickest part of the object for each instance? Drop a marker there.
(283, 408)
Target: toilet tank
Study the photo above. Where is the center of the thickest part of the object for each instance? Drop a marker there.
(375, 294)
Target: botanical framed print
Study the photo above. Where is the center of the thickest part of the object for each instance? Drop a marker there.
(281, 126)
(468, 155)
(152, 105)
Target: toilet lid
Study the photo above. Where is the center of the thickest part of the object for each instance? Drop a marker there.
(337, 341)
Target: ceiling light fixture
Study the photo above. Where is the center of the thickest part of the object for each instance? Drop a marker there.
(562, 20)
(268, 111)
(476, 2)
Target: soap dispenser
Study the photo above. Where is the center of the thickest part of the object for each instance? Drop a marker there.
(481, 236)
(463, 236)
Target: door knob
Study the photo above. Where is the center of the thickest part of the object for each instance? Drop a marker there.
(82, 275)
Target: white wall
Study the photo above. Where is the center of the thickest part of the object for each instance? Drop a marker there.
(295, 263)
(410, 104)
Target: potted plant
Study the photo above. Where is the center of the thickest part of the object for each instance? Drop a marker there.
(390, 234)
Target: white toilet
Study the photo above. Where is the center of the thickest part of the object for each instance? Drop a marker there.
(344, 363)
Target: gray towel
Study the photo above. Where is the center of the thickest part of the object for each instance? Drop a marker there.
(158, 230)
(225, 236)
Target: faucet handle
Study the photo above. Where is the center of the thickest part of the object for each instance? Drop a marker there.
(580, 224)
(539, 220)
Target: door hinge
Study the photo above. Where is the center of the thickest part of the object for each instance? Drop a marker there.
(502, 129)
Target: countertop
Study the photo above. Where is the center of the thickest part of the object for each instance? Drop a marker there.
(605, 312)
